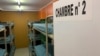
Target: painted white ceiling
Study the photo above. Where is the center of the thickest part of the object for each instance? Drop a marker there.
(26, 5)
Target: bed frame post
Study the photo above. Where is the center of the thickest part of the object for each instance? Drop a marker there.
(46, 37)
(5, 40)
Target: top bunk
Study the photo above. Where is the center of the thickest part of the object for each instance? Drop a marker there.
(42, 28)
(2, 28)
(6, 26)
(11, 24)
(44, 24)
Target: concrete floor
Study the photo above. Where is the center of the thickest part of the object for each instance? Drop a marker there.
(22, 52)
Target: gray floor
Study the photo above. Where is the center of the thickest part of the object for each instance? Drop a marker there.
(22, 52)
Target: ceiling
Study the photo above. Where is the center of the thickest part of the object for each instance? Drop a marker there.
(25, 5)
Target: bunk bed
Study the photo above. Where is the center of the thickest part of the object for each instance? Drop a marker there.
(40, 49)
(9, 38)
(2, 51)
(32, 38)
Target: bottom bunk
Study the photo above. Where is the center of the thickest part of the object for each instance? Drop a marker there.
(2, 52)
(10, 45)
(12, 51)
(40, 50)
(31, 50)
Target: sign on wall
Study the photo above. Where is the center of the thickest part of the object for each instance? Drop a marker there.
(73, 10)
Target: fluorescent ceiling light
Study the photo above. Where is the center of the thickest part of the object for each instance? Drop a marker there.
(18, 2)
(19, 5)
(19, 8)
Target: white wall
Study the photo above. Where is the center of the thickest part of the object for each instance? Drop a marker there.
(78, 38)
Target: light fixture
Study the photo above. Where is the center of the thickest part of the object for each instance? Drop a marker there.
(18, 2)
(19, 7)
